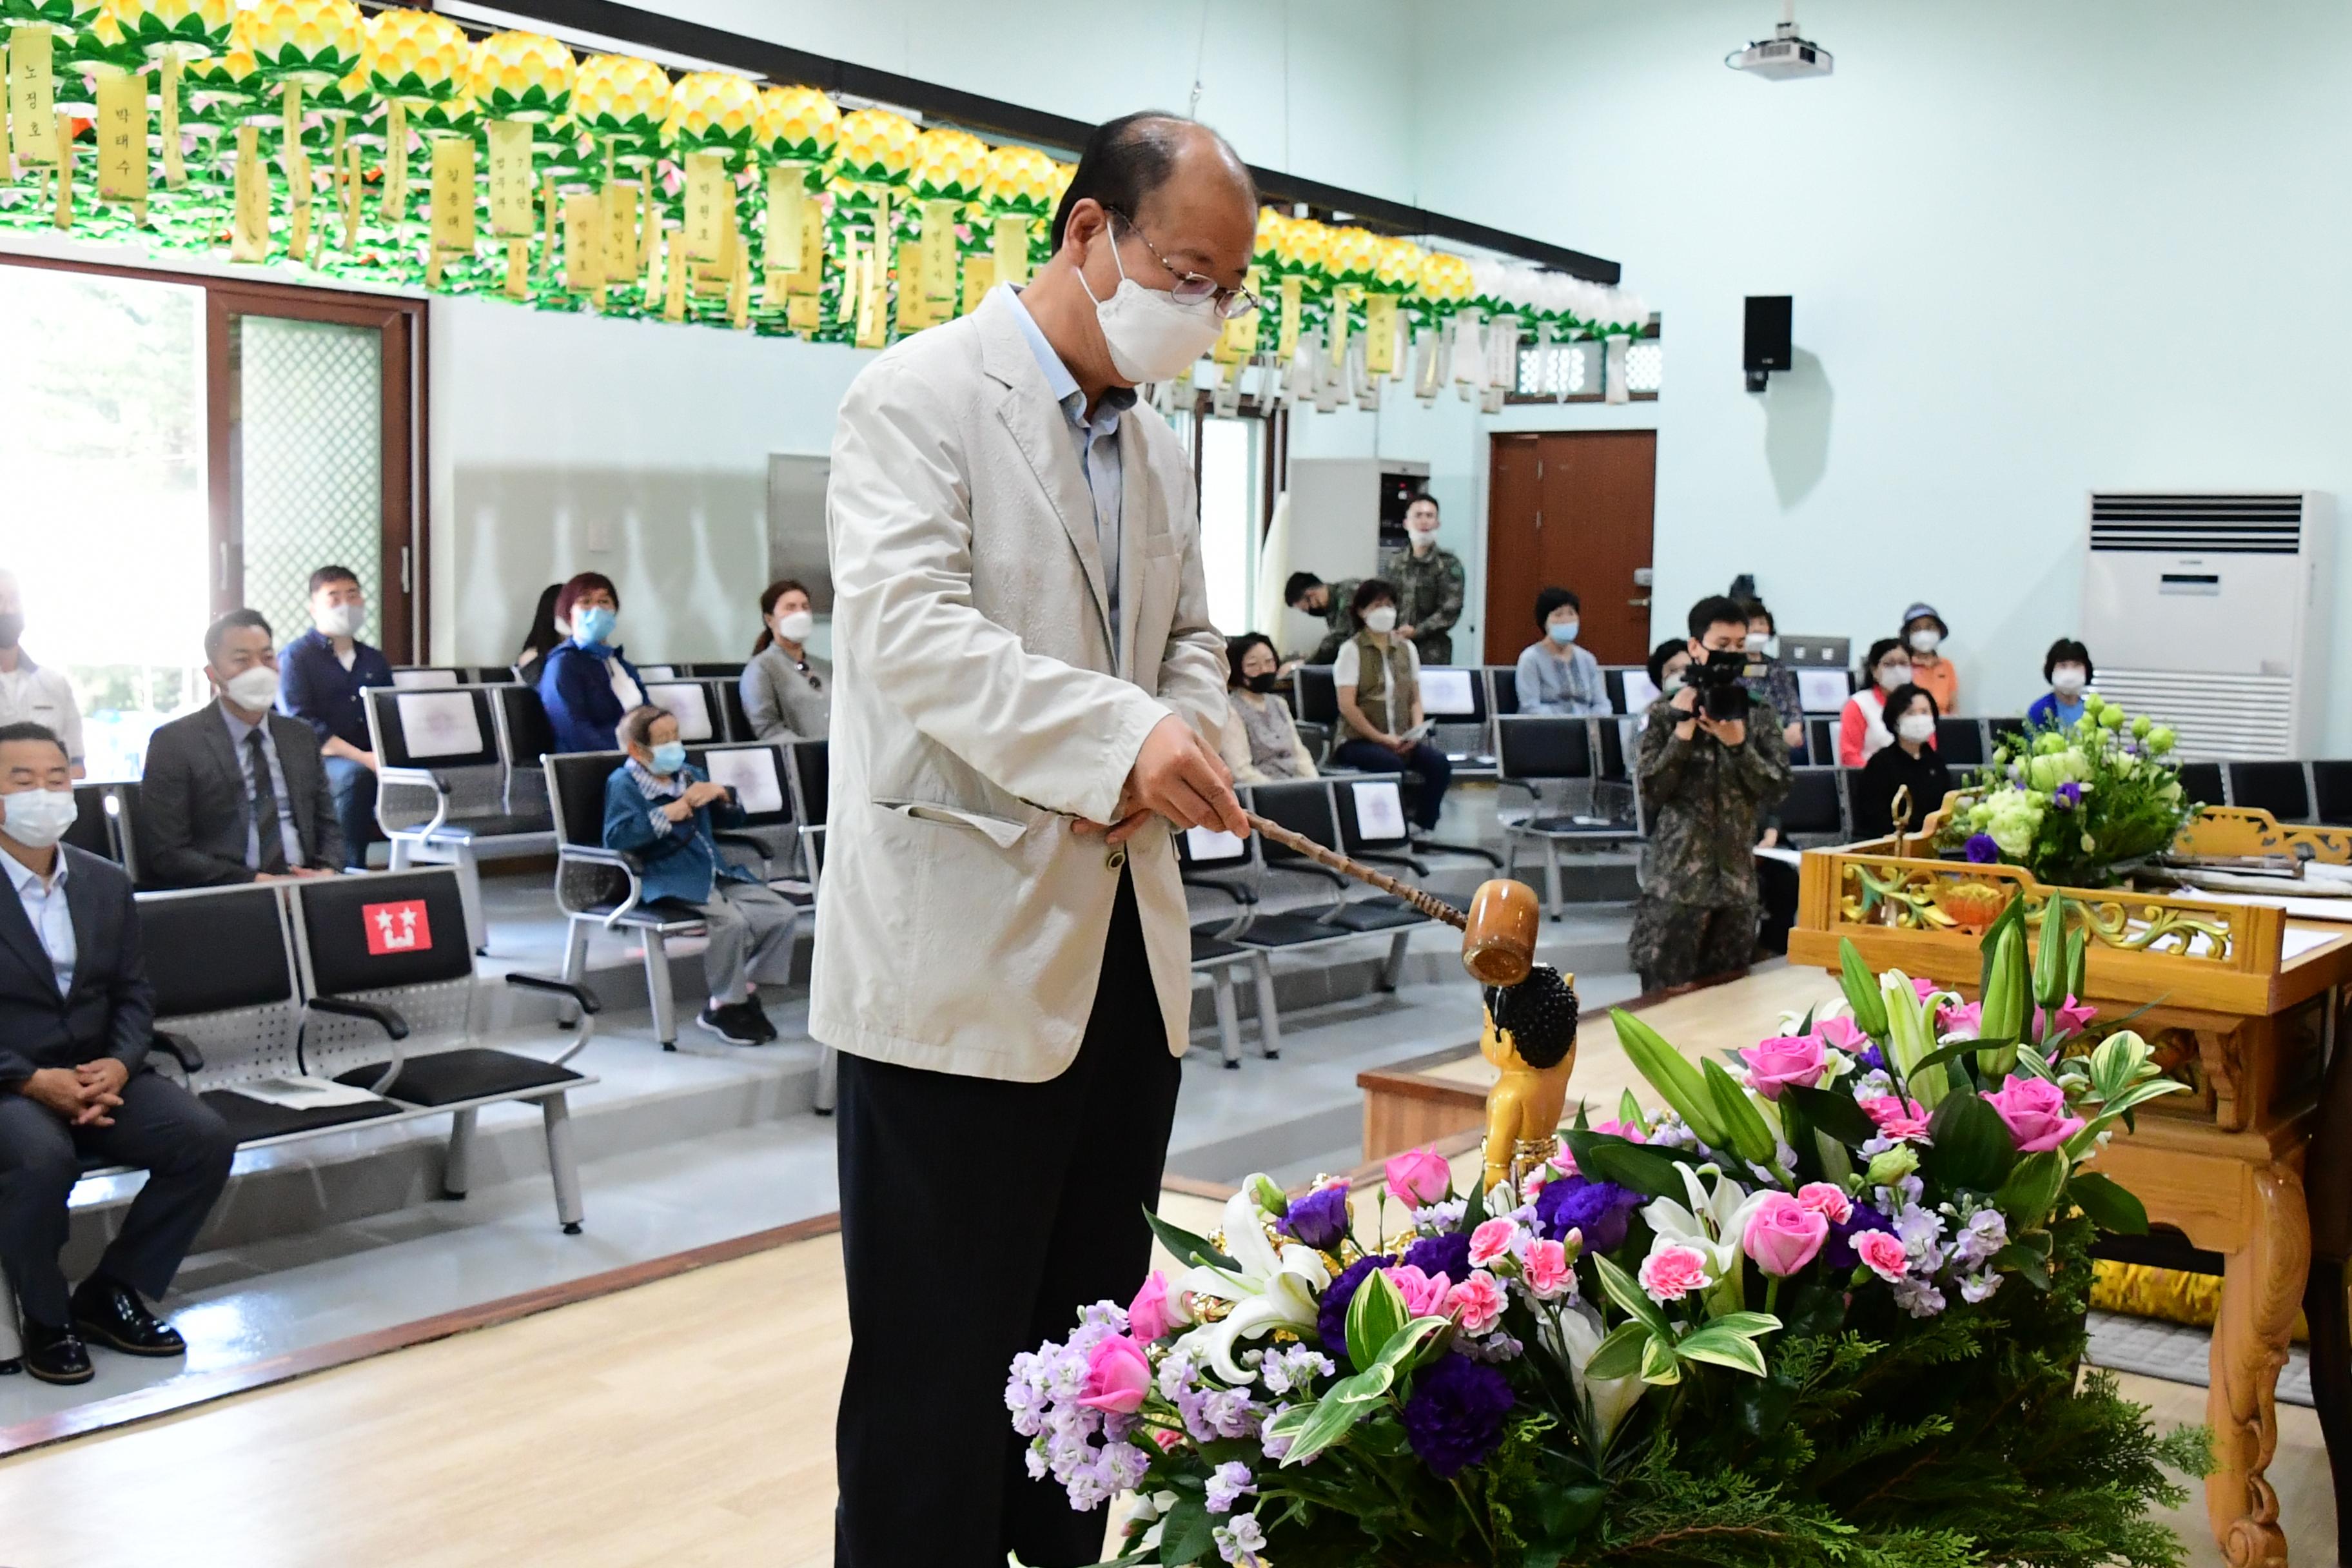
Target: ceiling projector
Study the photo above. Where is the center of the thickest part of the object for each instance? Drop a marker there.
(1783, 57)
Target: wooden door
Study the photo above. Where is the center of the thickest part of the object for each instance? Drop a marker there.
(1573, 510)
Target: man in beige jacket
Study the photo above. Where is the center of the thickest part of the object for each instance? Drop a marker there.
(1026, 668)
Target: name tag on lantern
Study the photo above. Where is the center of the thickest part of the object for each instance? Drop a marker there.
(398, 928)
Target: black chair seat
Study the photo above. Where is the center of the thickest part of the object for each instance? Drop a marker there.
(469, 1072)
(1569, 827)
(671, 918)
(466, 828)
(1293, 930)
(1207, 949)
(251, 1121)
(1383, 913)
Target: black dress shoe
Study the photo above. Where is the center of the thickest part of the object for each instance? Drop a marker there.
(114, 1316)
(55, 1355)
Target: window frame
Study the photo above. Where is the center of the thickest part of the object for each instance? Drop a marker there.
(1650, 332)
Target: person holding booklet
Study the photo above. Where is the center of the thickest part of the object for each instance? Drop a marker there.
(1381, 727)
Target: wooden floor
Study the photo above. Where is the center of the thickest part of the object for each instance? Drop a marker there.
(688, 1421)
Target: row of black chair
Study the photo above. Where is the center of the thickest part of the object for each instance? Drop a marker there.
(414, 677)
(300, 1009)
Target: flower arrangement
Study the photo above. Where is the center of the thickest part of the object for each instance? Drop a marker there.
(2075, 807)
(1827, 1310)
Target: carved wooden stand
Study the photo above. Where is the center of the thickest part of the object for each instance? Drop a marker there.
(2245, 1026)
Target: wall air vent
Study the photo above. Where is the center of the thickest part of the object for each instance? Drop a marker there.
(2216, 524)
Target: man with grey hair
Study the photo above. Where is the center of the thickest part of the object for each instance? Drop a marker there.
(1025, 672)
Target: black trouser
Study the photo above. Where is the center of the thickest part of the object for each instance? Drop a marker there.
(181, 1143)
(977, 1217)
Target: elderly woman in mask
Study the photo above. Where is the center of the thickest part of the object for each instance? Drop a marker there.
(1259, 743)
(1862, 729)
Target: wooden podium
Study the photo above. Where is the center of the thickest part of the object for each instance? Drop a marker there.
(2241, 1003)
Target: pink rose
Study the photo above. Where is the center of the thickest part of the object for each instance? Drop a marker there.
(1117, 1372)
(1629, 1131)
(1544, 1268)
(1492, 1240)
(1672, 1271)
(1419, 1177)
(1896, 1119)
(1844, 1033)
(1476, 1303)
(1148, 1317)
(1774, 1064)
(2071, 1019)
(1167, 1437)
(1924, 986)
(1883, 1250)
(1967, 1020)
(1783, 1235)
(1828, 1201)
(1424, 1295)
(2035, 1113)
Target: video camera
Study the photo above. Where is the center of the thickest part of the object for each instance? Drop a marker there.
(1721, 697)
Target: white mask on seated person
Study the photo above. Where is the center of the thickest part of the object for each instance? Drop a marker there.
(2068, 680)
(253, 688)
(795, 627)
(1919, 728)
(342, 620)
(1381, 619)
(37, 818)
(1926, 639)
(1892, 676)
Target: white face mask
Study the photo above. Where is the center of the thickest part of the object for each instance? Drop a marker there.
(253, 689)
(1917, 728)
(1381, 619)
(2068, 680)
(1758, 641)
(795, 627)
(1150, 335)
(341, 620)
(1894, 674)
(1926, 639)
(1421, 535)
(37, 818)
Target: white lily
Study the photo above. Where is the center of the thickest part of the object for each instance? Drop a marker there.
(1612, 1397)
(1269, 1289)
(1714, 1223)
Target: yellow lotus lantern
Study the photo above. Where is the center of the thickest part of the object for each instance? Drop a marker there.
(945, 177)
(303, 43)
(1446, 284)
(1396, 271)
(798, 125)
(947, 166)
(415, 58)
(799, 128)
(517, 81)
(872, 159)
(622, 101)
(714, 112)
(1352, 256)
(876, 150)
(141, 31)
(1017, 186)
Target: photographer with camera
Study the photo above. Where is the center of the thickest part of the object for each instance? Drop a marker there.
(1712, 761)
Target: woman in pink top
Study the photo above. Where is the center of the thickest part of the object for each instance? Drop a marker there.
(1860, 730)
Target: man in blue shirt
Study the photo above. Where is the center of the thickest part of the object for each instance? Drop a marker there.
(321, 673)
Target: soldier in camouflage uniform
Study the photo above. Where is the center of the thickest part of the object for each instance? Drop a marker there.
(1301, 593)
(1705, 786)
(1429, 584)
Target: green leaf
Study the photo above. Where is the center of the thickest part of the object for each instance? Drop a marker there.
(1186, 1536)
(2050, 955)
(1747, 1323)
(2109, 1204)
(1374, 1312)
(1958, 1051)
(1670, 1074)
(1604, 1156)
(1407, 1339)
(2032, 1189)
(1189, 1249)
(1969, 1144)
(1834, 1112)
(1629, 1295)
(1618, 1354)
(1473, 1210)
(1837, 1165)
(1723, 1347)
(1312, 1429)
(1741, 1121)
(1659, 1363)
(1566, 1513)
(2027, 1264)
(1629, 1109)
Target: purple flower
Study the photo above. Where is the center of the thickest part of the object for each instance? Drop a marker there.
(1598, 1209)
(2068, 796)
(1981, 849)
(1320, 1218)
(1839, 1252)
(1331, 1312)
(1456, 1414)
(1227, 1482)
(1433, 1254)
(1872, 1058)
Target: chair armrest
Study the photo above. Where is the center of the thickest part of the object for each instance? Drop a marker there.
(1419, 867)
(383, 1017)
(420, 778)
(1239, 892)
(633, 864)
(391, 781)
(181, 1049)
(586, 999)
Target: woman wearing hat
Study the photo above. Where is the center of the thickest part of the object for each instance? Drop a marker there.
(1924, 632)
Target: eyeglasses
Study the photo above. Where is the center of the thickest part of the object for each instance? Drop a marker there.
(1190, 287)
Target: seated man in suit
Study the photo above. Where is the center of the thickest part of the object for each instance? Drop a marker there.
(235, 792)
(76, 1020)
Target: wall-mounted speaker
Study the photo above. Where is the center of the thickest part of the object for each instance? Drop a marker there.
(1767, 345)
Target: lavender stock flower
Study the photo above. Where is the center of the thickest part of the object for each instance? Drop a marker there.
(1227, 1482)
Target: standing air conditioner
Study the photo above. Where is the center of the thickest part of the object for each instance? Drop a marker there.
(2210, 613)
